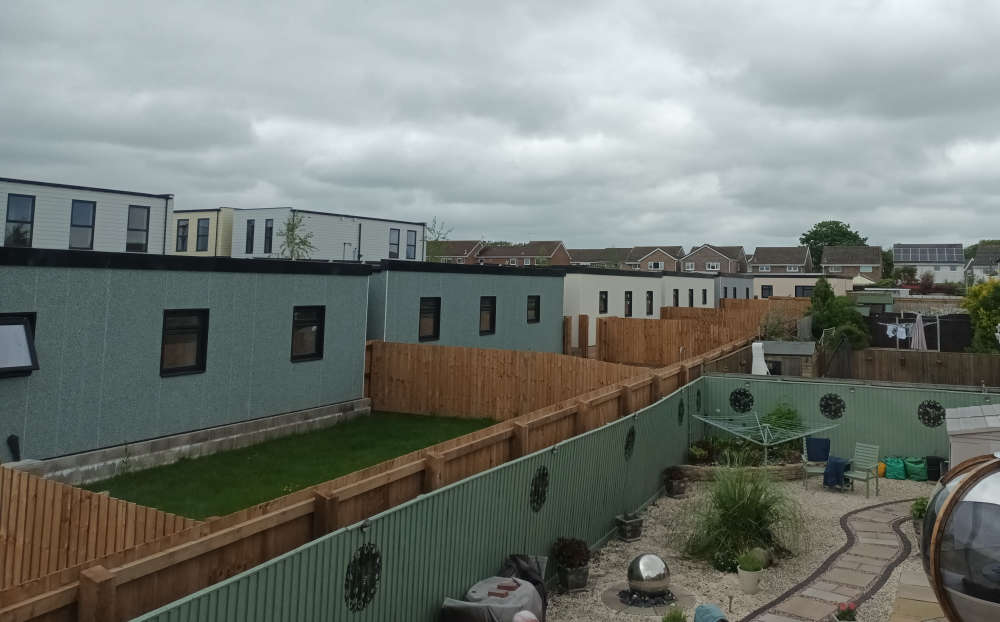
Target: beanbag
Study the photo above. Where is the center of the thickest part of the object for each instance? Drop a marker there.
(916, 469)
(894, 468)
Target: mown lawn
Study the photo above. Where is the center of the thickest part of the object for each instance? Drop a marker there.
(222, 483)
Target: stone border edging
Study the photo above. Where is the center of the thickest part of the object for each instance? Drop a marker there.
(900, 557)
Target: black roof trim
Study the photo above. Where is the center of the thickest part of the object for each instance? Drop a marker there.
(802, 275)
(72, 187)
(312, 211)
(52, 258)
(207, 209)
(639, 273)
(395, 265)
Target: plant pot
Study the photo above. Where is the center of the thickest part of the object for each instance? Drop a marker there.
(629, 527)
(918, 528)
(676, 487)
(749, 581)
(573, 579)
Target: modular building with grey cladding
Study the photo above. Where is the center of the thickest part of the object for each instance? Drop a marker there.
(132, 347)
(497, 307)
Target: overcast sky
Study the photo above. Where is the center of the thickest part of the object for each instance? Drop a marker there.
(601, 124)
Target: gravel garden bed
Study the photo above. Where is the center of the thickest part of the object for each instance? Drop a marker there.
(662, 535)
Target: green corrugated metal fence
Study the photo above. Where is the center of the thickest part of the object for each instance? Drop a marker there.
(882, 414)
(439, 544)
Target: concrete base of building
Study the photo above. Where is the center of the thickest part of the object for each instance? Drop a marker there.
(92, 466)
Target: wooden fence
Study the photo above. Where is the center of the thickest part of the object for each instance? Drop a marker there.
(958, 368)
(472, 382)
(46, 526)
(124, 585)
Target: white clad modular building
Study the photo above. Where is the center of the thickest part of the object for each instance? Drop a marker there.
(338, 237)
(629, 293)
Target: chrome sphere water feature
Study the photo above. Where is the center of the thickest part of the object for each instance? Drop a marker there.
(648, 575)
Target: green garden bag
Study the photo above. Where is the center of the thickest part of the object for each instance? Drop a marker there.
(916, 469)
(894, 468)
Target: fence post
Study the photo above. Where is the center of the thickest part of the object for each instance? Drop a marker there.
(433, 471)
(567, 334)
(96, 602)
(325, 513)
(580, 422)
(624, 400)
(583, 335)
(519, 441)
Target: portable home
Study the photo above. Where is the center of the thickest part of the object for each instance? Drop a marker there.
(508, 308)
(39, 214)
(739, 286)
(797, 285)
(131, 347)
(335, 237)
(201, 232)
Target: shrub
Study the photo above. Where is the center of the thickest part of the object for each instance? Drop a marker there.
(697, 454)
(675, 615)
(918, 509)
(749, 562)
(743, 510)
(571, 552)
(783, 416)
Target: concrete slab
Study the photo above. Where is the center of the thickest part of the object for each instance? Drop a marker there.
(823, 595)
(806, 608)
(874, 550)
(917, 609)
(849, 577)
(913, 592)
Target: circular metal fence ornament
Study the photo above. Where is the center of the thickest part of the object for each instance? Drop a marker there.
(363, 576)
(680, 413)
(539, 488)
(697, 401)
(930, 413)
(630, 443)
(832, 406)
(741, 400)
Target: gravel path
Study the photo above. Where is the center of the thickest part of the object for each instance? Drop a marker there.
(821, 510)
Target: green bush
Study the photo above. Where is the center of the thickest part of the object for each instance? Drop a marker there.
(749, 562)
(697, 454)
(918, 509)
(742, 510)
(783, 416)
(675, 615)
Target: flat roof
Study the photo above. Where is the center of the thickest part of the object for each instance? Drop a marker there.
(57, 258)
(639, 273)
(398, 265)
(799, 275)
(309, 211)
(90, 188)
(790, 348)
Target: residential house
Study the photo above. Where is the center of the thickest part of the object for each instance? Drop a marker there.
(710, 258)
(39, 214)
(454, 251)
(946, 262)
(986, 263)
(128, 347)
(547, 253)
(781, 260)
(488, 306)
(201, 233)
(607, 258)
(336, 237)
(738, 286)
(797, 285)
(654, 258)
(861, 263)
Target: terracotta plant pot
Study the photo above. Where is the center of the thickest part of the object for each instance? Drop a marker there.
(629, 527)
(573, 579)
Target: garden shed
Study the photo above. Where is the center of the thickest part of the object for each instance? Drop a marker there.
(790, 358)
(973, 431)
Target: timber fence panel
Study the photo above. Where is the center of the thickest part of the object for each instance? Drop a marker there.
(950, 368)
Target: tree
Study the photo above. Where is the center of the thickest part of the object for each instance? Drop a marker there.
(970, 250)
(926, 284)
(436, 234)
(906, 275)
(888, 263)
(838, 313)
(296, 242)
(983, 304)
(830, 233)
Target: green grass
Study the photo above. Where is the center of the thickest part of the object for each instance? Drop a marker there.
(222, 483)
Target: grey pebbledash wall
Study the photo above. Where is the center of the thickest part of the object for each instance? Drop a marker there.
(98, 338)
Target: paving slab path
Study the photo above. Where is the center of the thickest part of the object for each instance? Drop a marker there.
(875, 546)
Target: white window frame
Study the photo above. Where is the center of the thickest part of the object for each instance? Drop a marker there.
(713, 265)
(833, 268)
(791, 268)
(867, 268)
(764, 268)
(689, 266)
(654, 265)
(512, 261)
(527, 261)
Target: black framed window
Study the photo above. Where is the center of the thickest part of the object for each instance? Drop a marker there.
(690, 297)
(487, 315)
(185, 341)
(649, 302)
(307, 333)
(182, 235)
(628, 304)
(393, 243)
(748, 293)
(17, 344)
(704, 296)
(534, 309)
(430, 319)
(725, 292)
(411, 244)
(804, 291)
(250, 224)
(81, 224)
(766, 291)
(137, 229)
(677, 297)
(20, 220)
(268, 235)
(602, 302)
(201, 242)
